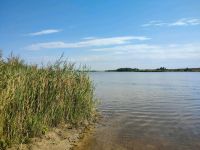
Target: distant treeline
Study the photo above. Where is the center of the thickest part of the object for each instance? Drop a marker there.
(161, 69)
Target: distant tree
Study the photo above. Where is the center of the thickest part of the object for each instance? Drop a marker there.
(124, 69)
(187, 69)
(161, 69)
(127, 69)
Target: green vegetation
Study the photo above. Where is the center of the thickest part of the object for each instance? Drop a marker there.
(127, 69)
(161, 69)
(34, 99)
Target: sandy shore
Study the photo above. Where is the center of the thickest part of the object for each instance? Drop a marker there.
(64, 137)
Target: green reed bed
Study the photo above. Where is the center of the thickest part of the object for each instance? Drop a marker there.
(33, 99)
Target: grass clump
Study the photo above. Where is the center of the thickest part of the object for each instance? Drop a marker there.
(33, 99)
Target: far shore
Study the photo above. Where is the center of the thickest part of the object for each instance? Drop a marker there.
(161, 69)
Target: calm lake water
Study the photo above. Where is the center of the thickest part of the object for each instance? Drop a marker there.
(147, 111)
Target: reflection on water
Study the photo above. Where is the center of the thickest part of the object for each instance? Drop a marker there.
(150, 111)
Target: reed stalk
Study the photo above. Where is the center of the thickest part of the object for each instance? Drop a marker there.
(34, 99)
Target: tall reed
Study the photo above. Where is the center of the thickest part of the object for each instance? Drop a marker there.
(33, 99)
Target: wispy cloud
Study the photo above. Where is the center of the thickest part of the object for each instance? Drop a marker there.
(93, 42)
(128, 48)
(43, 32)
(88, 38)
(141, 55)
(179, 22)
(154, 51)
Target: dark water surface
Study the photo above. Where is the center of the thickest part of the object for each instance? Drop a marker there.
(147, 111)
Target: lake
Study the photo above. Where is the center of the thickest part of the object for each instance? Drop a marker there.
(147, 111)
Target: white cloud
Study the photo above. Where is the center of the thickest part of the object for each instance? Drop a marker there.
(43, 32)
(154, 23)
(132, 55)
(127, 48)
(88, 38)
(90, 58)
(171, 51)
(86, 43)
(179, 22)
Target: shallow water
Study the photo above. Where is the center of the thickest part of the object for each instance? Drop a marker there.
(150, 111)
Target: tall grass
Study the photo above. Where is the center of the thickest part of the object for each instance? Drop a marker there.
(33, 99)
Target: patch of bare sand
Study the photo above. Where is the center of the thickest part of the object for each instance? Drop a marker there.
(64, 137)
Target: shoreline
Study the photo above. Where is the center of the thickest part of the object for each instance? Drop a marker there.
(63, 137)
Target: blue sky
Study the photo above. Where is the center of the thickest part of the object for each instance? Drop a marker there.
(103, 34)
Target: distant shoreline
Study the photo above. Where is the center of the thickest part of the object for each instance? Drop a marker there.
(162, 69)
